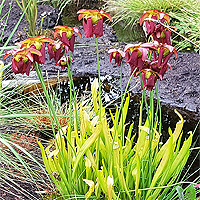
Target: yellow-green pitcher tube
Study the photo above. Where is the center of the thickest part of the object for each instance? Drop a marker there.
(1, 73)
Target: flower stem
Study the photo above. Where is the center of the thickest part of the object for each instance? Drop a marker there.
(99, 76)
(99, 96)
(159, 108)
(51, 109)
(151, 136)
(122, 135)
(74, 93)
(72, 96)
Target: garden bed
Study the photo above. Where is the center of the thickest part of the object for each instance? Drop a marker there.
(179, 89)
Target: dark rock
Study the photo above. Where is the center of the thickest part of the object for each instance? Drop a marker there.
(48, 13)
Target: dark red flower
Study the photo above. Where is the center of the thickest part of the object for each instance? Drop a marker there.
(117, 55)
(39, 59)
(159, 32)
(22, 59)
(136, 55)
(149, 78)
(66, 36)
(56, 50)
(64, 62)
(151, 26)
(94, 21)
(38, 44)
(161, 70)
(163, 36)
(164, 53)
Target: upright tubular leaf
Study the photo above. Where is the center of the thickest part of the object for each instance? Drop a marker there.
(163, 164)
(84, 148)
(1, 73)
(176, 134)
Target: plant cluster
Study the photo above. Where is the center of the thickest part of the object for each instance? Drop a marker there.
(88, 158)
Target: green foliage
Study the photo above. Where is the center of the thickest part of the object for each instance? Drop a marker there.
(188, 24)
(123, 169)
(88, 158)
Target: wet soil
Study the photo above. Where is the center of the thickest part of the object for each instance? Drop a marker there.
(180, 87)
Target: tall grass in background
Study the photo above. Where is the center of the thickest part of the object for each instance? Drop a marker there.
(184, 14)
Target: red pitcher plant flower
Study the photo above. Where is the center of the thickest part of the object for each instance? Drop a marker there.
(160, 70)
(159, 33)
(163, 36)
(22, 59)
(155, 15)
(149, 78)
(164, 53)
(56, 50)
(136, 55)
(38, 44)
(151, 69)
(117, 55)
(94, 21)
(64, 62)
(67, 36)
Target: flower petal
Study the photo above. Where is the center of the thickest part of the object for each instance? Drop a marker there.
(98, 28)
(88, 28)
(106, 15)
(71, 43)
(197, 186)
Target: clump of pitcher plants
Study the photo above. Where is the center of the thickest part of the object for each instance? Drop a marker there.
(91, 158)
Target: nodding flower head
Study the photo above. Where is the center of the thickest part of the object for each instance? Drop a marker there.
(56, 50)
(164, 53)
(136, 55)
(149, 78)
(22, 59)
(117, 55)
(149, 59)
(94, 21)
(66, 35)
(38, 44)
(163, 36)
(155, 15)
(64, 62)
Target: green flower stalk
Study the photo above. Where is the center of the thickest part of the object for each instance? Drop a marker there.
(94, 26)
(118, 55)
(66, 35)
